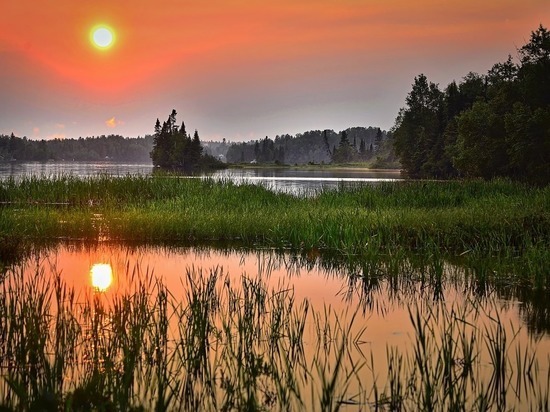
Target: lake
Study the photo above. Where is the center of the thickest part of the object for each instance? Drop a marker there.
(149, 323)
(367, 322)
(287, 180)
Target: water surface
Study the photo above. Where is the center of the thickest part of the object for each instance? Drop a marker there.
(288, 180)
(376, 308)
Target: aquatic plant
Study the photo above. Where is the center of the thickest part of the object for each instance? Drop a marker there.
(498, 218)
(227, 345)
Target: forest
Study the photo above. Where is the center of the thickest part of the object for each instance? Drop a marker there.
(491, 125)
(174, 149)
(353, 145)
(90, 149)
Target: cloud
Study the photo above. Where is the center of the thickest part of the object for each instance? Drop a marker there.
(113, 122)
(36, 131)
(60, 126)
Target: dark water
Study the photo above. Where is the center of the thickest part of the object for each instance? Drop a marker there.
(287, 180)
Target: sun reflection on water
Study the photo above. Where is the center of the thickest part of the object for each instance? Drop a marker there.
(102, 276)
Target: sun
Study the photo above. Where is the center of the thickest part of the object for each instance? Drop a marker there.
(102, 36)
(102, 276)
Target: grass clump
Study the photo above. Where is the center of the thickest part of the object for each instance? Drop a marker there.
(219, 346)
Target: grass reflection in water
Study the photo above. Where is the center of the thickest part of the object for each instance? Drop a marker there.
(226, 342)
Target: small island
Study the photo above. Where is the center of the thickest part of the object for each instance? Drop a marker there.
(174, 149)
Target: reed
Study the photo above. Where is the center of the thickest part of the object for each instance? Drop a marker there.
(498, 218)
(227, 345)
(460, 360)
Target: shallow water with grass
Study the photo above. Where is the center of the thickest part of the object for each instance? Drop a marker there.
(175, 328)
(294, 180)
(168, 293)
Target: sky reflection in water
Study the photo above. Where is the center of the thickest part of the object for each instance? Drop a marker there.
(383, 302)
(382, 306)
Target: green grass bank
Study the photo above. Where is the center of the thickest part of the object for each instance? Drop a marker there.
(498, 218)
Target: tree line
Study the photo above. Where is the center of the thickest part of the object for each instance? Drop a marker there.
(112, 148)
(174, 148)
(356, 144)
(491, 125)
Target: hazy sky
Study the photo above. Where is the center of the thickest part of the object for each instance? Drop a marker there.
(240, 69)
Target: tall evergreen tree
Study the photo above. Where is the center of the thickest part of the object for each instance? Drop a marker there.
(378, 138)
(418, 136)
(345, 152)
(327, 144)
(173, 148)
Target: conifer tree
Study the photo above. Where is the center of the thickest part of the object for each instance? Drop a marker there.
(173, 148)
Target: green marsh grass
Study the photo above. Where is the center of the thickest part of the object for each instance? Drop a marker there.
(498, 218)
(242, 347)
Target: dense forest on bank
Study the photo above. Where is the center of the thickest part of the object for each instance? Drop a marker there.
(491, 125)
(113, 148)
(355, 144)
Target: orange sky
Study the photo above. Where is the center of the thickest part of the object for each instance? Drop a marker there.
(240, 69)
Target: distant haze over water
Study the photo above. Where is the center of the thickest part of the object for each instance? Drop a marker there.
(297, 181)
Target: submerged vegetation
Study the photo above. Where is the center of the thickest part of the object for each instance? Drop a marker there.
(236, 344)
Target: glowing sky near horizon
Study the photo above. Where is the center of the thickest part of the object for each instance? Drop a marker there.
(240, 69)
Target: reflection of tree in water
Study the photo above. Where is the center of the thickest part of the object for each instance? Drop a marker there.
(533, 302)
(407, 279)
(14, 251)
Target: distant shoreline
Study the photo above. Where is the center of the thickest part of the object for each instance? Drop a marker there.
(328, 166)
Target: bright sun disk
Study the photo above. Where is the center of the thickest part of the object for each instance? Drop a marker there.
(102, 37)
(102, 276)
